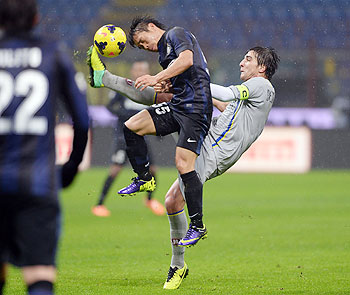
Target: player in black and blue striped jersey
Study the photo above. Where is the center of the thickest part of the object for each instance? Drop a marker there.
(34, 73)
(188, 113)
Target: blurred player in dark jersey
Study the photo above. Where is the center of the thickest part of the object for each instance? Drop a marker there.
(188, 113)
(124, 108)
(33, 74)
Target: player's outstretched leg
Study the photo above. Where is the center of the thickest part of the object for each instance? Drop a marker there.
(193, 235)
(97, 68)
(175, 277)
(138, 185)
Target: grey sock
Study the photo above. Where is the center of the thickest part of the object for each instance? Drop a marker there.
(178, 228)
(126, 87)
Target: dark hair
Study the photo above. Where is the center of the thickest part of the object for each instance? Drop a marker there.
(139, 24)
(267, 57)
(17, 15)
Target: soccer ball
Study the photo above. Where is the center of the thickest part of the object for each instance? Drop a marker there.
(110, 41)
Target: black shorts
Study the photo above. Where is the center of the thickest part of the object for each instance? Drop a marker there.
(192, 128)
(29, 229)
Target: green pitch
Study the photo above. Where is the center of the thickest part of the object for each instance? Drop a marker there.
(268, 234)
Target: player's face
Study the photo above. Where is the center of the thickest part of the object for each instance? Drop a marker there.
(147, 40)
(249, 66)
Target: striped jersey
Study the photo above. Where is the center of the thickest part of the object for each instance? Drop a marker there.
(33, 74)
(240, 124)
(191, 89)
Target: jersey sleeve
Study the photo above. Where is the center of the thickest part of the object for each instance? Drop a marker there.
(180, 39)
(230, 93)
(255, 88)
(75, 102)
(251, 89)
(223, 93)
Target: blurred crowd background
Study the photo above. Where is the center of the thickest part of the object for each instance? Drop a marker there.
(311, 36)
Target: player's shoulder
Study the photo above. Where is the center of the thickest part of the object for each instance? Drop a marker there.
(175, 31)
(258, 82)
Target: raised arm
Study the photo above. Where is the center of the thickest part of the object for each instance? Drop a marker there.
(221, 93)
(230, 93)
(100, 77)
(180, 65)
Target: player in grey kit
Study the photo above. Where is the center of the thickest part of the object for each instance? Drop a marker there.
(245, 110)
(230, 135)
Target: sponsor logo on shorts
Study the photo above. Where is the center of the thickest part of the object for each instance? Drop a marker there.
(190, 140)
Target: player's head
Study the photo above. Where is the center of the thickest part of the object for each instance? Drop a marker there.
(139, 68)
(18, 16)
(145, 33)
(259, 62)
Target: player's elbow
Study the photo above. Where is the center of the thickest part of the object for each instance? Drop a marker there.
(220, 105)
(189, 61)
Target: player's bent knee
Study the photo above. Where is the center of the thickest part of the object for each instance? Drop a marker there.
(174, 201)
(183, 166)
(185, 160)
(169, 203)
(141, 123)
(131, 123)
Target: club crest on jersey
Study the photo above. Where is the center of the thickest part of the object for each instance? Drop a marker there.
(168, 49)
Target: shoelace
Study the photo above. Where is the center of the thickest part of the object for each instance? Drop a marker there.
(135, 179)
(171, 273)
(190, 231)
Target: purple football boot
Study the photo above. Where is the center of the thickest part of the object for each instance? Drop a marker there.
(193, 235)
(138, 185)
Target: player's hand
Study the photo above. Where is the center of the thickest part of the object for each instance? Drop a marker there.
(144, 81)
(163, 87)
(68, 172)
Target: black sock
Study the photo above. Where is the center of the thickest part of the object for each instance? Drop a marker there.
(41, 288)
(194, 197)
(105, 189)
(2, 284)
(136, 149)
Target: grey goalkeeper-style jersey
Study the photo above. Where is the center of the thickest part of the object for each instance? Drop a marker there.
(236, 128)
(241, 123)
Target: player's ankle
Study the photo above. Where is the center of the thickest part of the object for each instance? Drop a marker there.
(197, 221)
(145, 175)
